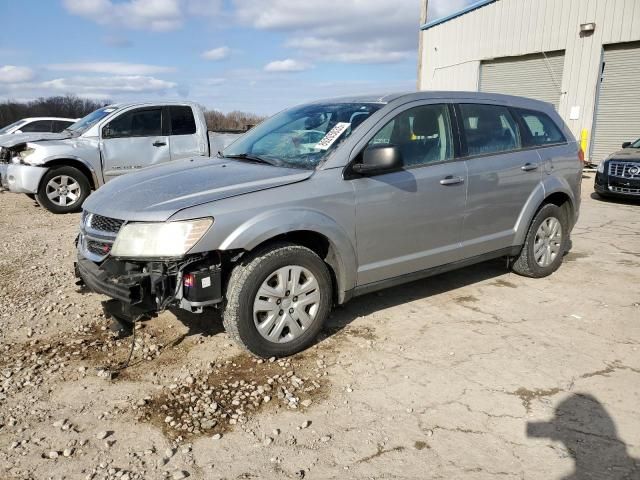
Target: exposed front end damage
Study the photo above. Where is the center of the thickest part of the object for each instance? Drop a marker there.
(144, 287)
(17, 176)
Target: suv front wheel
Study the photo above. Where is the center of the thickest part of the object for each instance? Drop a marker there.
(63, 190)
(545, 244)
(278, 300)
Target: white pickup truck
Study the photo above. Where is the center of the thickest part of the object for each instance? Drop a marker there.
(60, 171)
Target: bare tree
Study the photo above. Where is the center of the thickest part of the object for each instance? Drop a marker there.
(74, 107)
(231, 121)
(61, 106)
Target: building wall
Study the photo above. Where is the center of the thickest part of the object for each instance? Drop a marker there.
(452, 51)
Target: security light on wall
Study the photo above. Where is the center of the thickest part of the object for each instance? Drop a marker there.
(587, 27)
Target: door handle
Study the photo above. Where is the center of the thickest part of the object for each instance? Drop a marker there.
(527, 167)
(451, 180)
(158, 143)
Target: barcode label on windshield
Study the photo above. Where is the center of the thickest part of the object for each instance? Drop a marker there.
(333, 135)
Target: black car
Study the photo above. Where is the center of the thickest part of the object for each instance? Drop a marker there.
(619, 175)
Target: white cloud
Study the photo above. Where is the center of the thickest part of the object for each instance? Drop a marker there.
(215, 54)
(214, 81)
(287, 65)
(335, 50)
(117, 41)
(15, 74)
(155, 15)
(349, 31)
(111, 68)
(106, 85)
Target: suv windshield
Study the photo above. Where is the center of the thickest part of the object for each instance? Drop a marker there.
(85, 123)
(10, 126)
(303, 136)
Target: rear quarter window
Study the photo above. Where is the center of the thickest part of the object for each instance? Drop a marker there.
(182, 120)
(539, 129)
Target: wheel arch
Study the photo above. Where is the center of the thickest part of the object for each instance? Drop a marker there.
(78, 163)
(555, 192)
(313, 230)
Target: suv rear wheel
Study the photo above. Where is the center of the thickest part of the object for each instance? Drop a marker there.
(278, 300)
(545, 245)
(63, 190)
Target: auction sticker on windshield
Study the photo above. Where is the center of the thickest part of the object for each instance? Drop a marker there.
(333, 135)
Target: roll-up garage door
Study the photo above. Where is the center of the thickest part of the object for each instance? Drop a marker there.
(618, 105)
(536, 76)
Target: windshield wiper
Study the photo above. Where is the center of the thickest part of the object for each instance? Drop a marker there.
(252, 158)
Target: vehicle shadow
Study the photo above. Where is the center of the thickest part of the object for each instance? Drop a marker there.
(342, 316)
(619, 200)
(205, 324)
(590, 436)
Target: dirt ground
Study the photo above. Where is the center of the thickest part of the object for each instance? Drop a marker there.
(474, 374)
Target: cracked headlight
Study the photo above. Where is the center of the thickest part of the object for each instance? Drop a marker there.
(159, 240)
(21, 156)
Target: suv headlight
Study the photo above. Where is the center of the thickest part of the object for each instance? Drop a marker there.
(601, 167)
(158, 240)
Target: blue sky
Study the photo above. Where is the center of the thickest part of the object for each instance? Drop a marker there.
(251, 55)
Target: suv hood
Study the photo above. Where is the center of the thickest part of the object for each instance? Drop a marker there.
(157, 193)
(13, 139)
(627, 155)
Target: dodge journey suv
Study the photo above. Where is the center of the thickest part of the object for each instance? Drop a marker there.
(331, 200)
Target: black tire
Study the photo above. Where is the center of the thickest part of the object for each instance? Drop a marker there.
(525, 263)
(67, 171)
(244, 283)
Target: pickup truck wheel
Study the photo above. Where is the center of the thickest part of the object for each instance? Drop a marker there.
(278, 300)
(63, 190)
(546, 243)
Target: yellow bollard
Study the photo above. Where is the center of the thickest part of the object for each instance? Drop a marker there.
(584, 136)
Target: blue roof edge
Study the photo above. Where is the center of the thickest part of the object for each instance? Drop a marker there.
(470, 8)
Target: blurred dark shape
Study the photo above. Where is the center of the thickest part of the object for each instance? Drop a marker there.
(590, 436)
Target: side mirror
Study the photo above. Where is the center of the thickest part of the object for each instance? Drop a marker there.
(106, 131)
(626, 144)
(379, 158)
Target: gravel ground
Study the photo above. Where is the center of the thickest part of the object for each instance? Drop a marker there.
(473, 374)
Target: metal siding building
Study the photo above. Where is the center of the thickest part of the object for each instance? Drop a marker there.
(536, 48)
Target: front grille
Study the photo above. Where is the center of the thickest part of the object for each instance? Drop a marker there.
(102, 224)
(624, 169)
(625, 190)
(97, 234)
(99, 249)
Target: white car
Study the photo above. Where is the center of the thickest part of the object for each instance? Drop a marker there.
(38, 125)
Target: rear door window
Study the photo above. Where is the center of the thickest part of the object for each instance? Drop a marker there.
(37, 126)
(489, 129)
(60, 125)
(539, 129)
(137, 123)
(182, 120)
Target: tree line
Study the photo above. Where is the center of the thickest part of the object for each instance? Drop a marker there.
(70, 106)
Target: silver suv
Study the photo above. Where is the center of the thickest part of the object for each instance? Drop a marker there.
(334, 199)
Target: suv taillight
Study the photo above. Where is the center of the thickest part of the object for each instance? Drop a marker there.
(581, 155)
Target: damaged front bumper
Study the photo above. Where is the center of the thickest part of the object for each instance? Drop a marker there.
(20, 178)
(149, 287)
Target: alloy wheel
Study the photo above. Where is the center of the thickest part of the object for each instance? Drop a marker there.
(63, 190)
